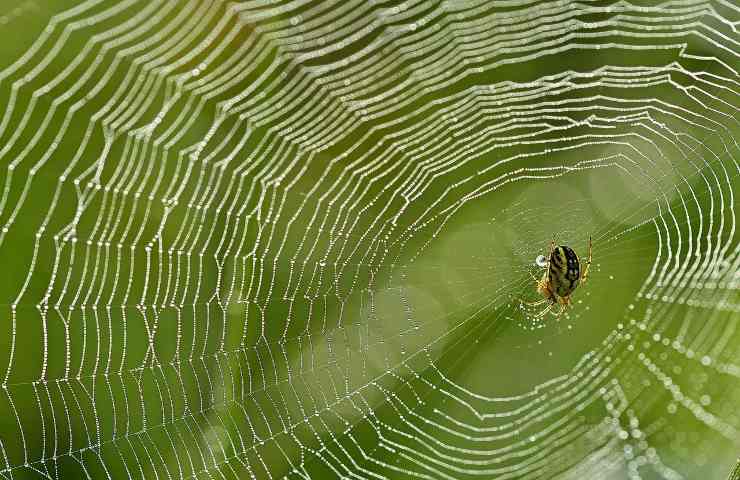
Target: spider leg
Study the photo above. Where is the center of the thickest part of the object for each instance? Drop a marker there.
(560, 312)
(543, 312)
(540, 283)
(584, 275)
(539, 302)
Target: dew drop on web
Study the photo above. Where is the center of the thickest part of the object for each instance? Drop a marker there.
(540, 261)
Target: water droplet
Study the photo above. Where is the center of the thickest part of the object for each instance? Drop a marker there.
(541, 261)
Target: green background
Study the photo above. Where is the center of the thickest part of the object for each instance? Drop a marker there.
(406, 314)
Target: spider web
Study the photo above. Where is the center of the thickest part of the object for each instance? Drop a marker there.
(292, 239)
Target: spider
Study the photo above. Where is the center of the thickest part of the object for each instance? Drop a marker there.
(561, 277)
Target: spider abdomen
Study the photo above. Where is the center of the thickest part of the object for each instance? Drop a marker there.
(564, 271)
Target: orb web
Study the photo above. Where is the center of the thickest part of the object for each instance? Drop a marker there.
(257, 240)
